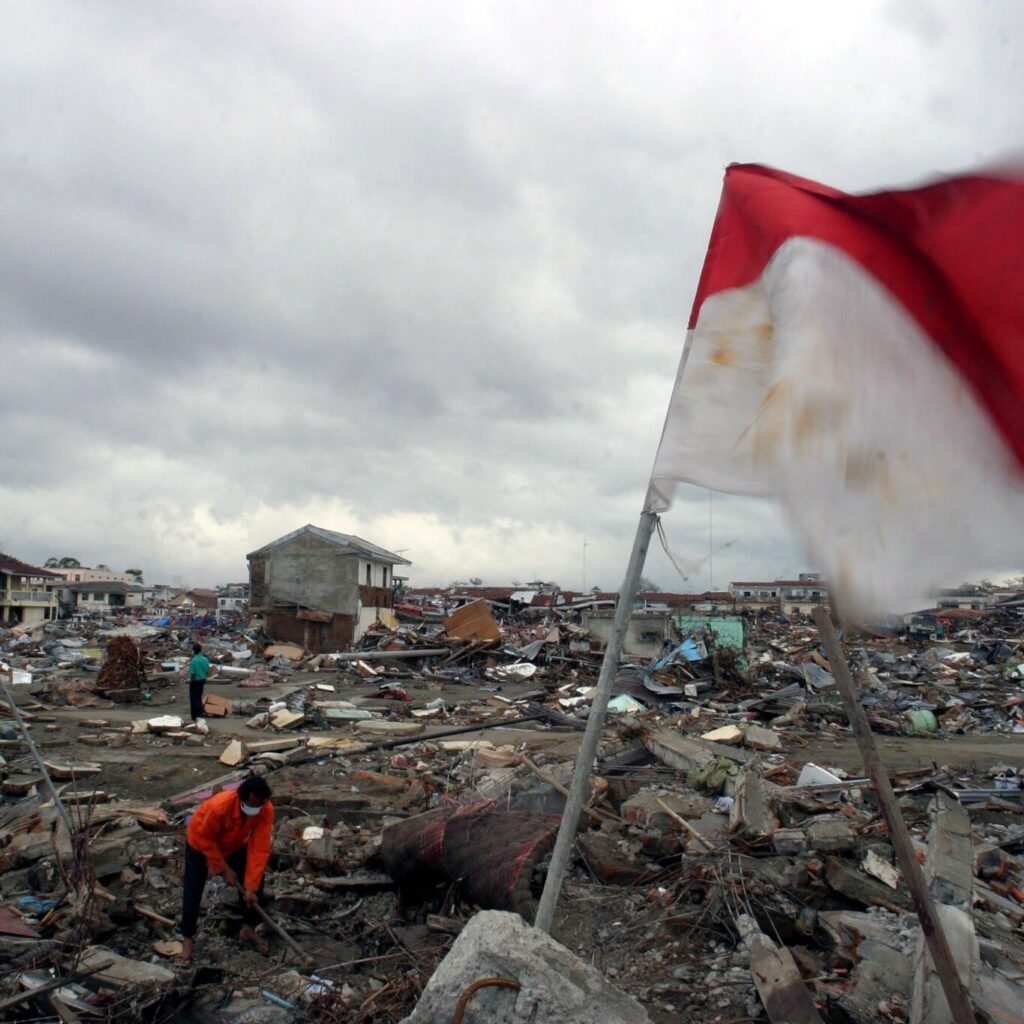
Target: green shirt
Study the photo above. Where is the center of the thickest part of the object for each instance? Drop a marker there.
(199, 668)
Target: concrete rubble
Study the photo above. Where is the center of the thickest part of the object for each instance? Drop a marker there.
(551, 985)
(731, 863)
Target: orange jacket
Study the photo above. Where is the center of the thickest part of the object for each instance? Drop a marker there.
(219, 827)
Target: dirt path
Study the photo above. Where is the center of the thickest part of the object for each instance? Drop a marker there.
(902, 753)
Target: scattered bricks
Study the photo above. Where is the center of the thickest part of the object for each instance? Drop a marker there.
(644, 811)
(610, 865)
(994, 863)
(216, 706)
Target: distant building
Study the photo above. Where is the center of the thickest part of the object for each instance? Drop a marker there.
(24, 597)
(646, 633)
(199, 599)
(100, 596)
(234, 597)
(320, 588)
(83, 574)
(710, 601)
(793, 597)
(965, 597)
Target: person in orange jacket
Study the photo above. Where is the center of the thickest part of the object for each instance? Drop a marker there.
(229, 834)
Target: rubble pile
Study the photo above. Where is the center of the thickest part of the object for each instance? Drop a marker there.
(123, 670)
(731, 863)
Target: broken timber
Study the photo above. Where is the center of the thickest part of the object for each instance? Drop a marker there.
(777, 978)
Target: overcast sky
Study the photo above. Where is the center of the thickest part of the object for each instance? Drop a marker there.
(418, 272)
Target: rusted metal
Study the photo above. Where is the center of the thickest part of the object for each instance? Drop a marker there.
(471, 990)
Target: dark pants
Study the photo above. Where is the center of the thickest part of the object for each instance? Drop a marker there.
(195, 698)
(196, 870)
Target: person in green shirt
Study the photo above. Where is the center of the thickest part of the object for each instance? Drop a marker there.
(198, 670)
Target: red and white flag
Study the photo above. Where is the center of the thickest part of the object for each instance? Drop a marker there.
(861, 358)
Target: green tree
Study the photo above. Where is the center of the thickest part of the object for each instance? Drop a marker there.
(51, 563)
(69, 563)
(137, 573)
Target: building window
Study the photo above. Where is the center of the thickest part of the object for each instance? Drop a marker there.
(384, 576)
(369, 570)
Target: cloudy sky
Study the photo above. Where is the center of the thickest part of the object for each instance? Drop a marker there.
(418, 272)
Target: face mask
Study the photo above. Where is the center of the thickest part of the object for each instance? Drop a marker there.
(250, 811)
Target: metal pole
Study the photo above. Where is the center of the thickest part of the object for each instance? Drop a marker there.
(960, 1008)
(580, 788)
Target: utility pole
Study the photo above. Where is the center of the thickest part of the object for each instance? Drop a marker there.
(711, 543)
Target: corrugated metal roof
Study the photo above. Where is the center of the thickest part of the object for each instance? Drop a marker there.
(345, 540)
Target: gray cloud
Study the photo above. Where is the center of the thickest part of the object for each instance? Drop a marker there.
(417, 273)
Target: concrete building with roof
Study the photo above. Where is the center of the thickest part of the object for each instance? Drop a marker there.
(320, 588)
(85, 574)
(794, 597)
(99, 597)
(24, 597)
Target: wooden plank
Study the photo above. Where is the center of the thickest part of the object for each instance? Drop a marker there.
(949, 872)
(777, 978)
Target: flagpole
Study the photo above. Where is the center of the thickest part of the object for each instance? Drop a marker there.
(580, 788)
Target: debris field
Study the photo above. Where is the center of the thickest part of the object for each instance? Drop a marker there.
(732, 862)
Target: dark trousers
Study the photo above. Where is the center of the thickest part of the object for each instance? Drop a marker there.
(196, 871)
(195, 698)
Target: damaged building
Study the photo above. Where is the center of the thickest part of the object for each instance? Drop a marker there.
(320, 588)
(24, 594)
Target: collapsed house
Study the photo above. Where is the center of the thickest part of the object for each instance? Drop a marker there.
(321, 589)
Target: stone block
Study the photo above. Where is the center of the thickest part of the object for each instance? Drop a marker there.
(645, 811)
(608, 862)
(730, 735)
(554, 985)
(758, 738)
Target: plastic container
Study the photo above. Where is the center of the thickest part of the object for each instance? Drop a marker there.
(920, 722)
